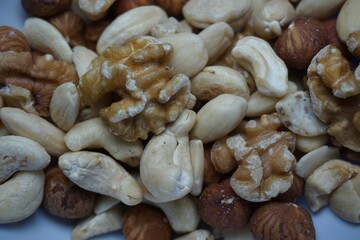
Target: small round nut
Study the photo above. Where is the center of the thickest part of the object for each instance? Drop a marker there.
(45, 8)
(275, 220)
(12, 39)
(144, 222)
(172, 7)
(300, 42)
(64, 199)
(220, 207)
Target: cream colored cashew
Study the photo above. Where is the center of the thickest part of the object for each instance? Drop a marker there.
(345, 200)
(44, 37)
(295, 111)
(20, 153)
(308, 144)
(65, 105)
(218, 117)
(82, 58)
(314, 159)
(199, 234)
(105, 222)
(273, 17)
(18, 122)
(319, 9)
(269, 71)
(183, 214)
(189, 56)
(135, 22)
(197, 163)
(104, 203)
(21, 195)
(99, 173)
(217, 37)
(94, 133)
(165, 165)
(348, 19)
(325, 179)
(95, 9)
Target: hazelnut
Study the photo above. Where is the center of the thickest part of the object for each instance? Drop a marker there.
(125, 5)
(93, 32)
(210, 174)
(172, 7)
(45, 8)
(220, 207)
(333, 38)
(64, 199)
(144, 222)
(12, 39)
(275, 220)
(301, 41)
(294, 192)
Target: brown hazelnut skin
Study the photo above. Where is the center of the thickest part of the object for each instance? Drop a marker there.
(45, 8)
(280, 220)
(294, 192)
(122, 6)
(172, 7)
(221, 207)
(64, 199)
(300, 42)
(142, 222)
(333, 39)
(12, 39)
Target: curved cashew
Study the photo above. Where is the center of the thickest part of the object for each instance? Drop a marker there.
(197, 163)
(218, 117)
(94, 133)
(104, 203)
(44, 37)
(170, 151)
(18, 122)
(20, 153)
(64, 105)
(21, 195)
(82, 58)
(325, 179)
(99, 173)
(269, 71)
(319, 9)
(199, 234)
(105, 222)
(347, 21)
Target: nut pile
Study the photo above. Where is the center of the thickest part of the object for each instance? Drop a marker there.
(190, 119)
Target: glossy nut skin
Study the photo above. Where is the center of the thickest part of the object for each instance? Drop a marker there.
(45, 8)
(64, 199)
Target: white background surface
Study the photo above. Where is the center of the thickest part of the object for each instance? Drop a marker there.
(42, 226)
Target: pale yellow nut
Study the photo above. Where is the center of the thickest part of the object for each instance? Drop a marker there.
(319, 9)
(95, 9)
(307, 144)
(82, 58)
(348, 20)
(197, 163)
(19, 122)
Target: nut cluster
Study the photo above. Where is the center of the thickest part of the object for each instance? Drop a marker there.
(192, 113)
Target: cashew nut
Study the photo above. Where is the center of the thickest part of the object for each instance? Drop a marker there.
(218, 117)
(95, 10)
(82, 58)
(18, 122)
(197, 163)
(307, 144)
(44, 37)
(21, 195)
(348, 20)
(199, 234)
(169, 150)
(94, 133)
(269, 71)
(104, 203)
(99, 173)
(20, 153)
(325, 179)
(105, 222)
(319, 9)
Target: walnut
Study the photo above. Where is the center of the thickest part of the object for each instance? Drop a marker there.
(220, 207)
(65, 199)
(39, 76)
(150, 95)
(265, 161)
(329, 76)
(71, 26)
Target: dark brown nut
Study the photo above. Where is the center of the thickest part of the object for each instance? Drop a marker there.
(294, 192)
(45, 8)
(12, 39)
(210, 174)
(275, 220)
(172, 7)
(301, 41)
(93, 32)
(71, 26)
(333, 38)
(220, 207)
(64, 199)
(144, 222)
(122, 6)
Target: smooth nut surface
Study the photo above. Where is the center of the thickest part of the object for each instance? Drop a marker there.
(347, 20)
